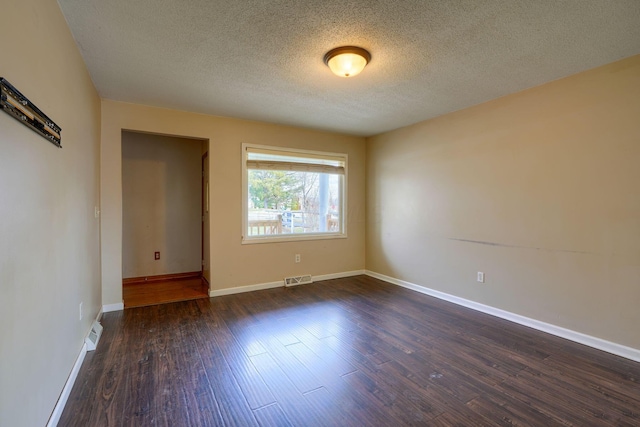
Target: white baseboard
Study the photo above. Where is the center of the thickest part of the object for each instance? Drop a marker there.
(66, 391)
(279, 284)
(107, 308)
(242, 289)
(598, 343)
(68, 385)
(338, 275)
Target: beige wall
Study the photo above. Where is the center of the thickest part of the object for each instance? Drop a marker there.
(49, 238)
(232, 264)
(540, 190)
(161, 184)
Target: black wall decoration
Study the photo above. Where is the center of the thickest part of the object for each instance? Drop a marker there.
(20, 108)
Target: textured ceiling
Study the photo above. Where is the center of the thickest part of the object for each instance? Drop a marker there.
(262, 59)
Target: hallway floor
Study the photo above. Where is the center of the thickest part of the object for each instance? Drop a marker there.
(162, 292)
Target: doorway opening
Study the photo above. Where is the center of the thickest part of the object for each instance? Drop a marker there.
(164, 235)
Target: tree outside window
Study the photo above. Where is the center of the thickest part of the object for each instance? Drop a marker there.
(292, 193)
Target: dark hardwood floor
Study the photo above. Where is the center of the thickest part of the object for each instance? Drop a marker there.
(345, 352)
(163, 291)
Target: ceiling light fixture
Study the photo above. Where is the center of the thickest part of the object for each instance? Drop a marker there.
(347, 61)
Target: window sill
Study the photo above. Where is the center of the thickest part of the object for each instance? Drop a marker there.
(298, 238)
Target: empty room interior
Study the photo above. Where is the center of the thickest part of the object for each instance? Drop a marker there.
(320, 213)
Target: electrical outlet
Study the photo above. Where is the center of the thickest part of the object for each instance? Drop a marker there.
(297, 257)
(480, 277)
(80, 310)
(156, 256)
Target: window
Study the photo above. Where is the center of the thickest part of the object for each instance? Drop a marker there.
(292, 194)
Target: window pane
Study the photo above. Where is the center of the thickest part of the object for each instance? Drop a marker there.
(293, 202)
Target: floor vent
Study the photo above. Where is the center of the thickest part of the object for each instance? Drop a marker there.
(94, 336)
(298, 280)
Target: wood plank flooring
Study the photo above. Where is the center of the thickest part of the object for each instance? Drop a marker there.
(163, 291)
(345, 352)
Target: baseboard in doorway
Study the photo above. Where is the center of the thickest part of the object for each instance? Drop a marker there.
(107, 308)
(590, 341)
(162, 278)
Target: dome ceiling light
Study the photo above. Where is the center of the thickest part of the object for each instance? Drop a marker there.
(347, 61)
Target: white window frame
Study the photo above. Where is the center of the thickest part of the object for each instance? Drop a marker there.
(271, 238)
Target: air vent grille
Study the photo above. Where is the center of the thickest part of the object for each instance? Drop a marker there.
(298, 280)
(94, 336)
